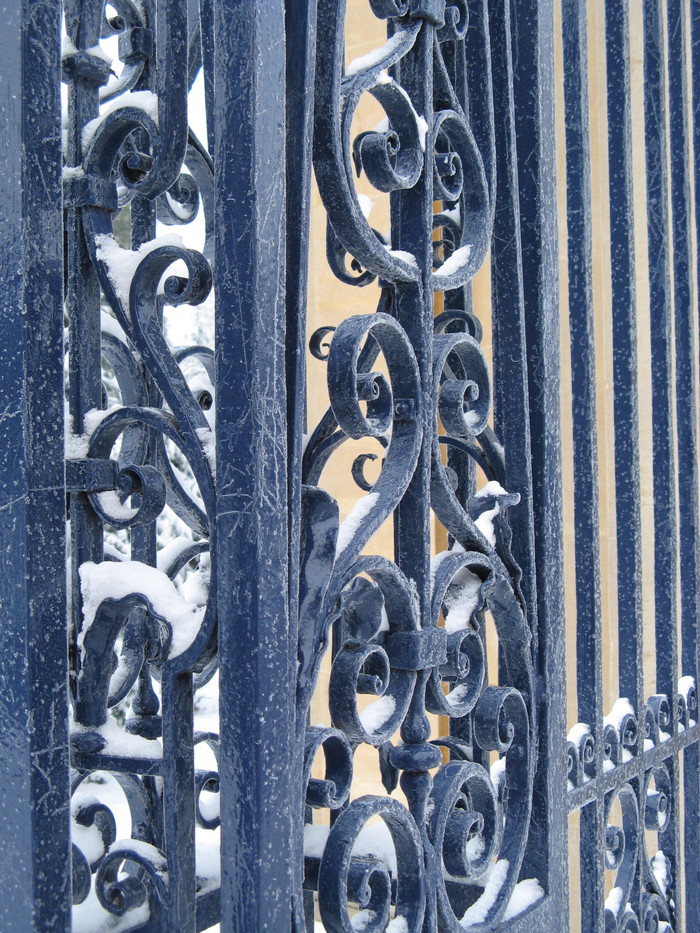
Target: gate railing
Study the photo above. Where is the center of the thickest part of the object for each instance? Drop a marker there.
(203, 539)
(634, 772)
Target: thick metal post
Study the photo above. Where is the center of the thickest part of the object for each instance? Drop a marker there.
(34, 821)
(257, 699)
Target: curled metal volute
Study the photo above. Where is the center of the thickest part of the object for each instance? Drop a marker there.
(343, 370)
(151, 343)
(130, 659)
(336, 254)
(399, 598)
(454, 573)
(338, 878)
(180, 203)
(81, 876)
(621, 854)
(587, 753)
(481, 108)
(464, 403)
(369, 886)
(651, 726)
(656, 810)
(501, 722)
(454, 317)
(688, 691)
(94, 813)
(163, 425)
(456, 21)
(611, 745)
(166, 125)
(138, 802)
(146, 484)
(682, 711)
(465, 827)
(135, 46)
(331, 791)
(470, 423)
(129, 876)
(189, 551)
(336, 98)
(203, 355)
(448, 569)
(98, 640)
(366, 669)
(358, 474)
(391, 159)
(460, 176)
(374, 389)
(326, 437)
(629, 922)
(574, 769)
(207, 781)
(628, 732)
(657, 800)
(406, 430)
(500, 714)
(654, 912)
(661, 709)
(317, 347)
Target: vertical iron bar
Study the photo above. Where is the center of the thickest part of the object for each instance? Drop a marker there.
(533, 89)
(83, 309)
(665, 565)
(665, 526)
(34, 780)
(686, 421)
(625, 401)
(300, 75)
(511, 406)
(256, 692)
(689, 635)
(412, 219)
(624, 335)
(178, 800)
(585, 439)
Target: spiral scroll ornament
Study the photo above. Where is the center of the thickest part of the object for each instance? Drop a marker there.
(410, 633)
(140, 462)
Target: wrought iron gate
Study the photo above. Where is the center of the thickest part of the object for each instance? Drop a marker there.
(202, 545)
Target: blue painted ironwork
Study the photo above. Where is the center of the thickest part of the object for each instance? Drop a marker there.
(630, 760)
(263, 579)
(412, 632)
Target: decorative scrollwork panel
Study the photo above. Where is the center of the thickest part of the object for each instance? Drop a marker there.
(140, 471)
(412, 382)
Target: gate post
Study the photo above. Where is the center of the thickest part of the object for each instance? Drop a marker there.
(257, 654)
(34, 797)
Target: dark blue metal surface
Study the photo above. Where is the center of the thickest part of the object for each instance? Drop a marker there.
(34, 796)
(630, 761)
(263, 580)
